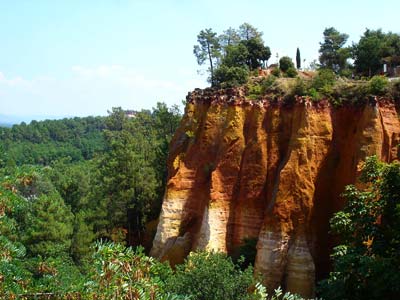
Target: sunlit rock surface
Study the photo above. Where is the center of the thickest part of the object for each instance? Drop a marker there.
(240, 169)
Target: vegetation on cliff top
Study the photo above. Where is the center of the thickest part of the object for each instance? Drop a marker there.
(321, 85)
(238, 57)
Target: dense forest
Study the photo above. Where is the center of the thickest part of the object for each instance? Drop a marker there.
(66, 183)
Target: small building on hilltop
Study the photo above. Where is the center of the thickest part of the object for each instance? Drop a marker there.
(130, 113)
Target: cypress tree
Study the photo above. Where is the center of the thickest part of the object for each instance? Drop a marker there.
(298, 59)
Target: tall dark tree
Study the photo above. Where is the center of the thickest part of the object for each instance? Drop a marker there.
(332, 54)
(209, 49)
(298, 59)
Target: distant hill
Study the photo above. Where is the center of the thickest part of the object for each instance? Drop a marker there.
(41, 142)
(9, 120)
(5, 124)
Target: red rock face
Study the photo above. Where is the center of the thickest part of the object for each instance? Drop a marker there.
(240, 170)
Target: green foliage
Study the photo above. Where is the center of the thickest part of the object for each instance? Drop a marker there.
(232, 55)
(236, 56)
(256, 89)
(367, 262)
(211, 276)
(285, 63)
(133, 170)
(314, 94)
(12, 275)
(276, 72)
(378, 85)
(291, 72)
(372, 47)
(48, 227)
(322, 84)
(46, 141)
(207, 49)
(231, 76)
(258, 53)
(50, 216)
(123, 273)
(300, 87)
(324, 78)
(298, 59)
(332, 54)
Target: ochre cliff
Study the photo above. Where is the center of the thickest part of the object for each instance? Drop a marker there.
(257, 170)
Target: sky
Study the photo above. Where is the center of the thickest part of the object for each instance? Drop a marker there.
(76, 58)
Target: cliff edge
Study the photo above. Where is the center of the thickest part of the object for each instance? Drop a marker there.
(242, 169)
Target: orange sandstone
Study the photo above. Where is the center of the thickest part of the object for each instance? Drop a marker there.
(240, 169)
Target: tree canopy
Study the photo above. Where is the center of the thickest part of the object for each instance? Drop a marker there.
(367, 261)
(372, 48)
(333, 54)
(231, 55)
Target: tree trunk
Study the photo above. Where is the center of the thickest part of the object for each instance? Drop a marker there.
(211, 64)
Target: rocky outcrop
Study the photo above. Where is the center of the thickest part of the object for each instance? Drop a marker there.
(261, 170)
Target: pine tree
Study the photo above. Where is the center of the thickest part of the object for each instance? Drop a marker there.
(49, 226)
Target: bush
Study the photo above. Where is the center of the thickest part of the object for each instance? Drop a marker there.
(291, 72)
(366, 265)
(299, 88)
(276, 72)
(378, 85)
(123, 273)
(325, 77)
(257, 88)
(211, 276)
(285, 63)
(267, 82)
(225, 76)
(314, 94)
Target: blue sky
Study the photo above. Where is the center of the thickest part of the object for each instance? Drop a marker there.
(77, 58)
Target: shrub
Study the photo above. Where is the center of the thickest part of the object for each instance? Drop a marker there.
(257, 88)
(291, 72)
(267, 82)
(366, 265)
(378, 85)
(254, 90)
(123, 273)
(346, 73)
(314, 94)
(299, 88)
(285, 63)
(325, 77)
(276, 72)
(211, 276)
(225, 76)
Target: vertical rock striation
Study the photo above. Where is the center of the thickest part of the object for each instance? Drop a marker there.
(255, 170)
